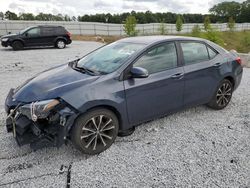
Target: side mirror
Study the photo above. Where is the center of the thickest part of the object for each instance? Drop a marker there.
(26, 34)
(139, 72)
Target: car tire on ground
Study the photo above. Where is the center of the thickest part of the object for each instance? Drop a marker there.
(222, 96)
(95, 131)
(60, 44)
(127, 132)
(17, 45)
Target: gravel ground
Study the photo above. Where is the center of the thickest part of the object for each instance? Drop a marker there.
(197, 147)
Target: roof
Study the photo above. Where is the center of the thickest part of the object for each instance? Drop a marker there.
(156, 38)
(49, 26)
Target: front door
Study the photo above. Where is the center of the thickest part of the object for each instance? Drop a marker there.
(162, 91)
(33, 37)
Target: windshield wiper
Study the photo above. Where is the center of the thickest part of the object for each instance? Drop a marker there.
(87, 70)
(84, 69)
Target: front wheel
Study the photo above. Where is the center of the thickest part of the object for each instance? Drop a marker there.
(95, 131)
(223, 95)
(17, 45)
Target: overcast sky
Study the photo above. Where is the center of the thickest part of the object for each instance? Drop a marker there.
(81, 7)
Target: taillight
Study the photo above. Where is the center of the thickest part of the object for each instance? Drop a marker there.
(238, 60)
(69, 34)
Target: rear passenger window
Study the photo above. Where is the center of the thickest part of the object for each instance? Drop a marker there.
(60, 30)
(194, 52)
(211, 52)
(159, 58)
(48, 31)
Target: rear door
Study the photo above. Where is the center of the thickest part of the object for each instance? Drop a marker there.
(159, 93)
(202, 71)
(49, 35)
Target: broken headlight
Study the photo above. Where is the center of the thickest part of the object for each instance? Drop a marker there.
(39, 109)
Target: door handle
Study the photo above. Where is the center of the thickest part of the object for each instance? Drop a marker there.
(217, 64)
(178, 75)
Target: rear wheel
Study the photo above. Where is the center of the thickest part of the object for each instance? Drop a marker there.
(223, 95)
(17, 45)
(60, 44)
(95, 131)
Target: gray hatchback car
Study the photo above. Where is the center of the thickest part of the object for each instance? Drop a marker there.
(111, 90)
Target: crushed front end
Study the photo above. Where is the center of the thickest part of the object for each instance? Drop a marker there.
(40, 123)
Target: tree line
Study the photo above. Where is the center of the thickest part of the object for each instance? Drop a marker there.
(219, 13)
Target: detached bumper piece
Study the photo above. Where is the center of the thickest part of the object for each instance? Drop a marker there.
(48, 132)
(26, 131)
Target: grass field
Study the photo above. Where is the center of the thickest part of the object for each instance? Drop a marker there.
(239, 41)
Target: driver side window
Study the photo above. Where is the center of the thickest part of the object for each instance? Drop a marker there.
(34, 32)
(159, 58)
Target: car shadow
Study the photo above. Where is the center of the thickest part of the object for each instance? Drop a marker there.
(6, 49)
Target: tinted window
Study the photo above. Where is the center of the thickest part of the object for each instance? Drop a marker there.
(211, 52)
(48, 31)
(159, 58)
(194, 52)
(60, 30)
(34, 31)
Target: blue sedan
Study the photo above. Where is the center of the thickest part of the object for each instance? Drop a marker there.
(93, 99)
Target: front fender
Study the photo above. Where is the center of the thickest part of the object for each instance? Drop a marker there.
(104, 92)
(16, 39)
(119, 108)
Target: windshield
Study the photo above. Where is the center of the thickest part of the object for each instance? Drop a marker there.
(24, 30)
(110, 57)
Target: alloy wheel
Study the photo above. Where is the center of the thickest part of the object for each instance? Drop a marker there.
(224, 94)
(98, 132)
(60, 44)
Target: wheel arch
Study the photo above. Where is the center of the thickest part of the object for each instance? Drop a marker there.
(231, 79)
(111, 108)
(122, 118)
(59, 38)
(19, 40)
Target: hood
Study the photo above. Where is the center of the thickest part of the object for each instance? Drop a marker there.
(9, 36)
(51, 84)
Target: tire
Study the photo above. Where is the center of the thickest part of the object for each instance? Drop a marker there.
(17, 45)
(95, 131)
(222, 96)
(60, 44)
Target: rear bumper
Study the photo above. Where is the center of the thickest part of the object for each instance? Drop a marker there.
(69, 41)
(238, 77)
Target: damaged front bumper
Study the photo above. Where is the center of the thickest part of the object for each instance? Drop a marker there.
(30, 127)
